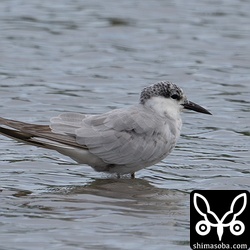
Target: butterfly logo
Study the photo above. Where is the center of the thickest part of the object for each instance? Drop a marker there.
(210, 219)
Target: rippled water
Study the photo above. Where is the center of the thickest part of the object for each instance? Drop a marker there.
(94, 56)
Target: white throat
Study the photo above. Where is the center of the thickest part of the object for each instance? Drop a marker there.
(165, 107)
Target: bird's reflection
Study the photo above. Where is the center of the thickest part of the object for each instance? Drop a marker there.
(136, 193)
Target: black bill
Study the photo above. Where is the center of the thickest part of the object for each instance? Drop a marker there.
(195, 107)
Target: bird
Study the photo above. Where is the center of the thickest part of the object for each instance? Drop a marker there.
(121, 141)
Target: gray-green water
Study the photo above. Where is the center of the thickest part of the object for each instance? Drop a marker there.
(94, 56)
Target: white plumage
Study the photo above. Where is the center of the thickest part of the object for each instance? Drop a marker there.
(121, 141)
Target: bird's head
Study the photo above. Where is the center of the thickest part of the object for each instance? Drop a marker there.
(171, 95)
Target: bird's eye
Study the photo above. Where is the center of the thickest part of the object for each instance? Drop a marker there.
(175, 96)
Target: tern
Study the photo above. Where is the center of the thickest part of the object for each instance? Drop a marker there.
(121, 141)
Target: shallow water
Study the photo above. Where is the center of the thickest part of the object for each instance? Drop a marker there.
(94, 56)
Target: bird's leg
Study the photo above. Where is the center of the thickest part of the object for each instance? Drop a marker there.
(132, 175)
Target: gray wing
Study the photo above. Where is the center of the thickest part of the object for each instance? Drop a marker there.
(122, 136)
(38, 135)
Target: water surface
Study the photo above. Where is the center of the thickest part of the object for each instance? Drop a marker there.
(92, 57)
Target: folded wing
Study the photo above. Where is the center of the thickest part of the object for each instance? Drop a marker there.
(122, 137)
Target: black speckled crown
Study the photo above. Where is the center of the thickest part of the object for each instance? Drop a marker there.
(164, 88)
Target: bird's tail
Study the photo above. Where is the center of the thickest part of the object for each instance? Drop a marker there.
(20, 136)
(36, 135)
